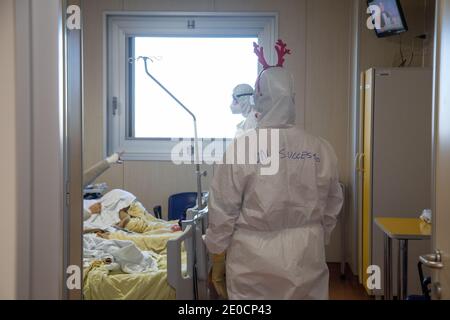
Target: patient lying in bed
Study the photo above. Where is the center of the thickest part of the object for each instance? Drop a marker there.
(120, 209)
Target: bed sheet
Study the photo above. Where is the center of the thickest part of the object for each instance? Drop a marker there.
(101, 284)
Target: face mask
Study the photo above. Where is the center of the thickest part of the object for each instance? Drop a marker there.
(236, 108)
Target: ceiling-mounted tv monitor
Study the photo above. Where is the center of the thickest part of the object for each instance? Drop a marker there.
(388, 17)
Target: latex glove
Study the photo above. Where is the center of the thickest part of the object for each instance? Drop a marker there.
(218, 275)
(115, 158)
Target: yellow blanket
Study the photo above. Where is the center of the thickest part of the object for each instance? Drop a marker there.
(99, 285)
(143, 222)
(150, 234)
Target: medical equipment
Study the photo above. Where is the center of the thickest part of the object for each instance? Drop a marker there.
(95, 191)
(198, 171)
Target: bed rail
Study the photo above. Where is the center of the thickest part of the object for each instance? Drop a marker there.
(194, 284)
(199, 219)
(182, 283)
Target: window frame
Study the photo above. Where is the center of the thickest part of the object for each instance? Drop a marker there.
(121, 26)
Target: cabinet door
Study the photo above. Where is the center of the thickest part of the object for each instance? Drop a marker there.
(359, 174)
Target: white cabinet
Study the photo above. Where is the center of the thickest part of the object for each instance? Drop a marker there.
(394, 162)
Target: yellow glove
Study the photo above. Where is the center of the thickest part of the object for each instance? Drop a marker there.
(218, 275)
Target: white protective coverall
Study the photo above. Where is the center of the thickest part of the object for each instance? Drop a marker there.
(274, 228)
(96, 170)
(243, 104)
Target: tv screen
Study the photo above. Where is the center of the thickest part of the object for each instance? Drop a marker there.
(388, 17)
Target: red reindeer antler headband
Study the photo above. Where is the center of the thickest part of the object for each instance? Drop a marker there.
(281, 49)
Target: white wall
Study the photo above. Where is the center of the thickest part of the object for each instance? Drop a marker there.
(8, 195)
(327, 97)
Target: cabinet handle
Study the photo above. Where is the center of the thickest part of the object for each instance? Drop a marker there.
(358, 155)
(361, 162)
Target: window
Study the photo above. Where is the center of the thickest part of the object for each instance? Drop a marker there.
(198, 58)
(201, 72)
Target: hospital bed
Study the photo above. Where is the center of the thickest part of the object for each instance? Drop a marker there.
(183, 273)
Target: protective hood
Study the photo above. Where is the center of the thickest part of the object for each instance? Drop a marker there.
(242, 100)
(275, 99)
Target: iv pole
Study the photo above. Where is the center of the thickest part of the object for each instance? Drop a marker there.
(198, 171)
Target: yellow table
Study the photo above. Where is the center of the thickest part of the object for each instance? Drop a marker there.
(402, 229)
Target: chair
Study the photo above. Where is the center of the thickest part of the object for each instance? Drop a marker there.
(178, 205)
(425, 284)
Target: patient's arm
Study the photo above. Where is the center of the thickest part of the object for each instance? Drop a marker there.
(97, 231)
(96, 208)
(95, 171)
(103, 235)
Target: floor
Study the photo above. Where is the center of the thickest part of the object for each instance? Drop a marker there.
(347, 288)
(340, 289)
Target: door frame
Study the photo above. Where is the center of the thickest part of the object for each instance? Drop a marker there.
(440, 110)
(49, 150)
(40, 107)
(73, 151)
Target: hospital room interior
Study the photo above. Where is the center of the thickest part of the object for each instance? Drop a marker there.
(120, 116)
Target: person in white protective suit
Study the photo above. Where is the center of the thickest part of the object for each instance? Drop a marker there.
(99, 168)
(273, 228)
(243, 104)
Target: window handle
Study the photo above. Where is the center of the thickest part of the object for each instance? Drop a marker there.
(115, 106)
(191, 24)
